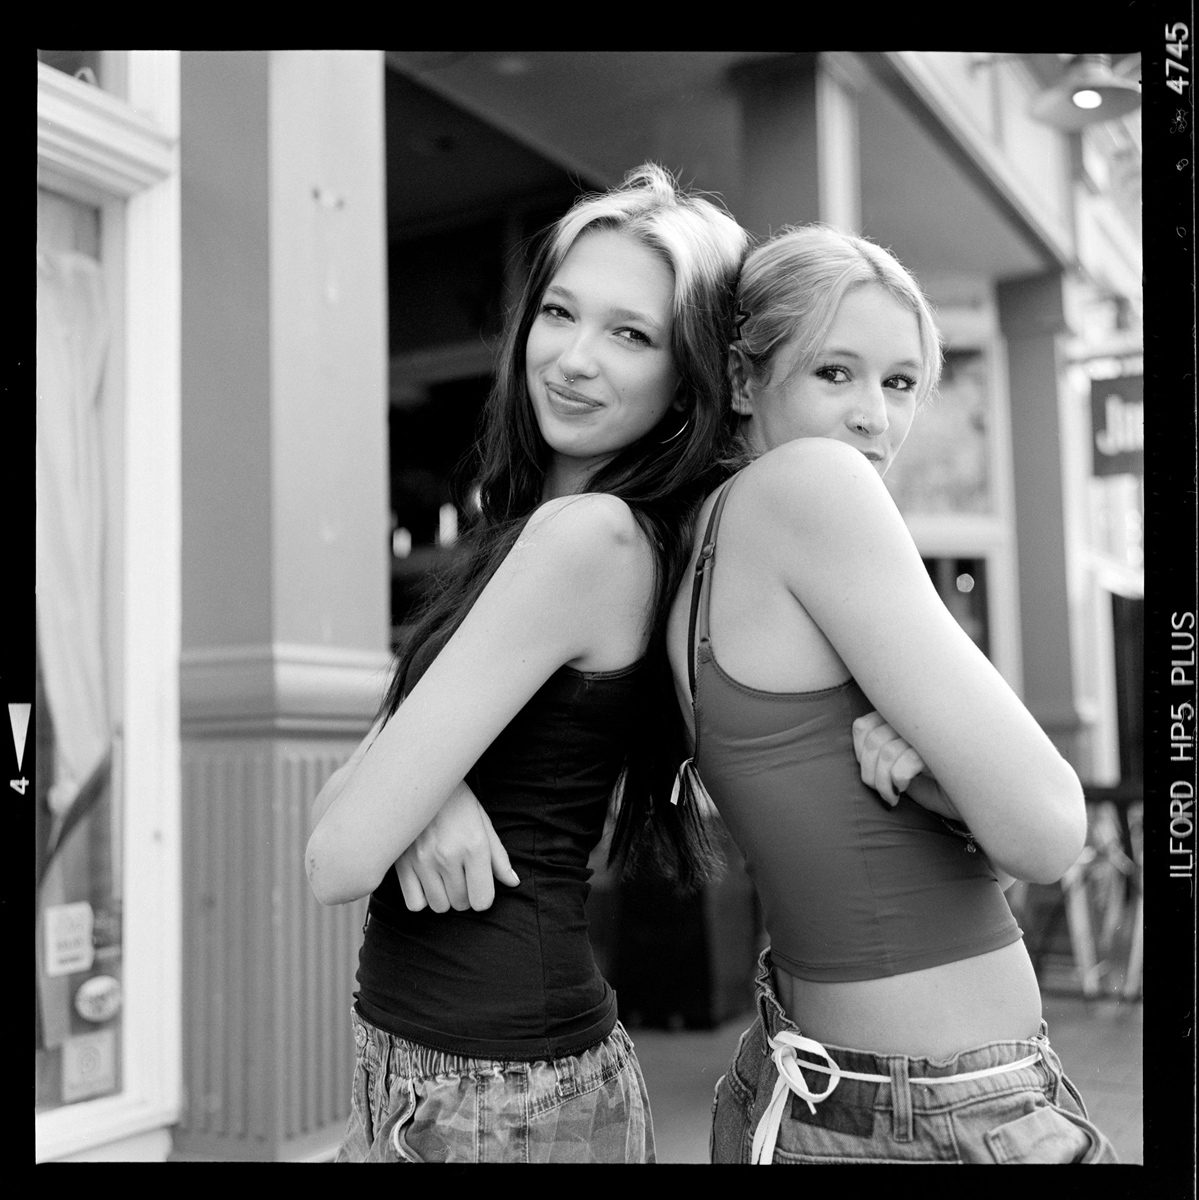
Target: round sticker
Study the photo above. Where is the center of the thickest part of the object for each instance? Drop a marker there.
(98, 998)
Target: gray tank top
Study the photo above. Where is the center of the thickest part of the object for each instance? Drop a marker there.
(850, 888)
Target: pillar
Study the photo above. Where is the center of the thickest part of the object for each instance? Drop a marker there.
(799, 142)
(1032, 321)
(285, 572)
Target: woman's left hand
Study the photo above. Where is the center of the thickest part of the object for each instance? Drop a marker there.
(455, 860)
(892, 766)
(888, 762)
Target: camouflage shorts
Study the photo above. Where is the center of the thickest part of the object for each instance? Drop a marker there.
(414, 1104)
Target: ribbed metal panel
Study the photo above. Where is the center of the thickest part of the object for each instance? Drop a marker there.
(268, 972)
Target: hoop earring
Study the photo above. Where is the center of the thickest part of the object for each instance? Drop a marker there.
(683, 426)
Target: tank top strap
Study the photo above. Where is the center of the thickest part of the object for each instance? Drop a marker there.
(701, 584)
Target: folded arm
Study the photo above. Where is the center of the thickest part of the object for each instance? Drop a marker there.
(849, 560)
(578, 578)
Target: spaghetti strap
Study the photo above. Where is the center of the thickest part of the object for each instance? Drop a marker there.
(687, 781)
(701, 584)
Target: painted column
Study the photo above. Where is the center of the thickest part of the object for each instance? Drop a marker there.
(799, 142)
(1033, 323)
(285, 572)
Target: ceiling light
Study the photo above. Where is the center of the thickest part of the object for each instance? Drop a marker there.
(1088, 93)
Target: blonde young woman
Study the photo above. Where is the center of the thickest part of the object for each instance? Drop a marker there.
(881, 778)
(534, 686)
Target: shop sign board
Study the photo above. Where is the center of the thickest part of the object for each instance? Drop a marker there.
(1118, 425)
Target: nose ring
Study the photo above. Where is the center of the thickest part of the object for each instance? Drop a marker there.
(569, 378)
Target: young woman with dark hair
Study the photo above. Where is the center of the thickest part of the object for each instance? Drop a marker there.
(535, 688)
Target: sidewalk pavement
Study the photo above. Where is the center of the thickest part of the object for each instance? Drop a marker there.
(1098, 1041)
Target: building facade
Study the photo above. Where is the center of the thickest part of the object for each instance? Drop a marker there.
(267, 284)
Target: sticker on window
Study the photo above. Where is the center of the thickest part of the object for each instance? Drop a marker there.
(69, 945)
(98, 999)
(89, 1065)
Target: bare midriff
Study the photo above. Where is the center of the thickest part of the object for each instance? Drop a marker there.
(933, 1013)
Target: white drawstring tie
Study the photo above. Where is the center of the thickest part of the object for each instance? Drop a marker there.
(791, 1079)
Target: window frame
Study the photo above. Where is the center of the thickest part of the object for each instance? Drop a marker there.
(123, 155)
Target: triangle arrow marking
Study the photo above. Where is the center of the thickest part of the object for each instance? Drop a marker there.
(18, 716)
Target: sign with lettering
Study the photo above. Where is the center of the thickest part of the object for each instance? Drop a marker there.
(69, 945)
(1118, 425)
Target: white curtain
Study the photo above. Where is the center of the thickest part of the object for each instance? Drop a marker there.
(72, 339)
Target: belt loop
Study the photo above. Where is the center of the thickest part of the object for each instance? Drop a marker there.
(1053, 1069)
(901, 1099)
(767, 1024)
(767, 999)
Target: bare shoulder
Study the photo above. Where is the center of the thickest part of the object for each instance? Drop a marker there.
(814, 481)
(806, 465)
(588, 512)
(586, 551)
(588, 566)
(590, 530)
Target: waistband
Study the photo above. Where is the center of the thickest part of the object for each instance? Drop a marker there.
(416, 1060)
(793, 1053)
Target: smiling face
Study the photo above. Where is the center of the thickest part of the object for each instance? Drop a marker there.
(604, 325)
(861, 389)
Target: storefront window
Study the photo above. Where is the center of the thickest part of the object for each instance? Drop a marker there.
(429, 438)
(945, 463)
(76, 780)
(962, 586)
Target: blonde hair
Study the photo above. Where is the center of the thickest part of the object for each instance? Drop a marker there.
(792, 285)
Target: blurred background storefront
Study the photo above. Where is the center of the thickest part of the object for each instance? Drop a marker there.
(269, 283)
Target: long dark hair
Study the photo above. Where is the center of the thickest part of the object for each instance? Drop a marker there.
(663, 477)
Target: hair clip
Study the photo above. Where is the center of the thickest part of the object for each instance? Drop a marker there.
(738, 322)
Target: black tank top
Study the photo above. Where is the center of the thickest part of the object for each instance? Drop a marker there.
(519, 980)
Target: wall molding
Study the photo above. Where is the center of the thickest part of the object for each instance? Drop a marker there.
(96, 140)
(279, 688)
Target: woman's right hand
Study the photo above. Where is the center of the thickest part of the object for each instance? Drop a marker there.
(455, 859)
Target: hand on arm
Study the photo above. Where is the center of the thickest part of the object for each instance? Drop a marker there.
(455, 859)
(891, 765)
(893, 768)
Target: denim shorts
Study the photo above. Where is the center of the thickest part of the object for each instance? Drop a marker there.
(411, 1103)
(1031, 1114)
